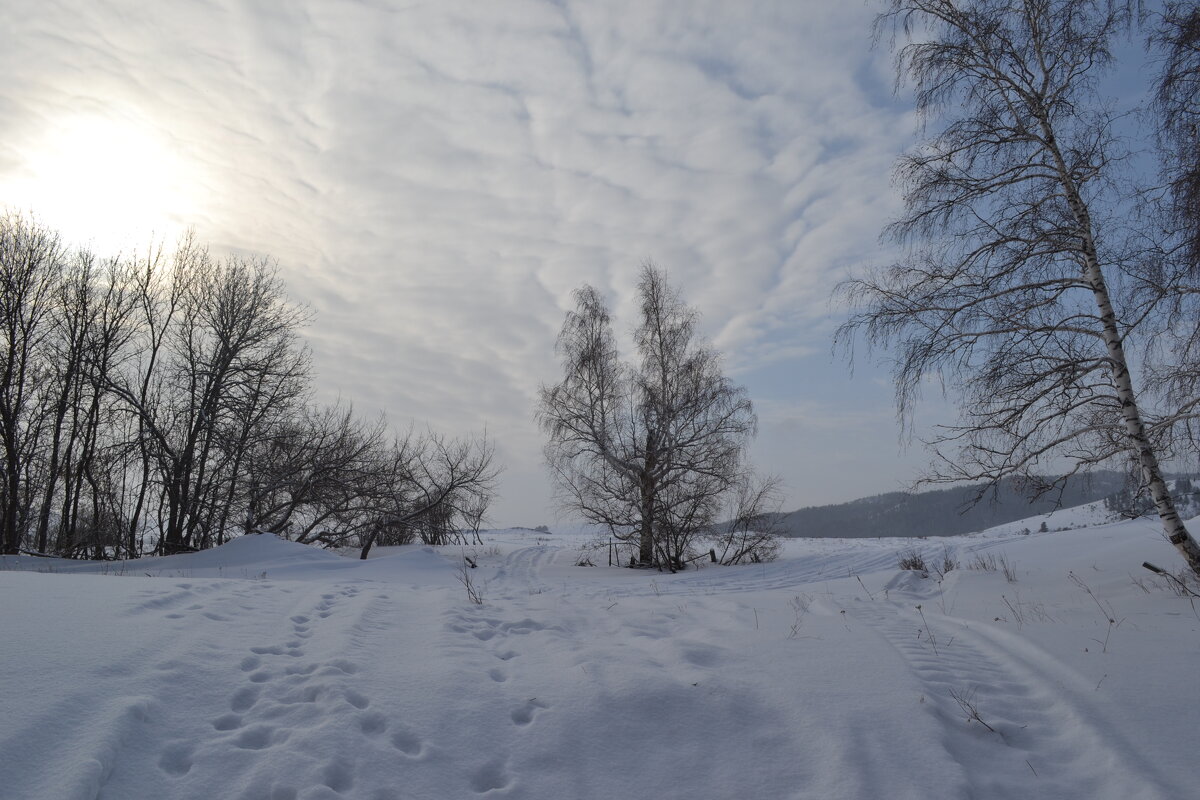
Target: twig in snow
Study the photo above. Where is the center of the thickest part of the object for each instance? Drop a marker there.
(966, 701)
(473, 592)
(929, 633)
(1105, 609)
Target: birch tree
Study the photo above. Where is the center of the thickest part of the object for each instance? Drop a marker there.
(649, 450)
(1021, 285)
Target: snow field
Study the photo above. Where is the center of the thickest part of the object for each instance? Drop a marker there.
(268, 670)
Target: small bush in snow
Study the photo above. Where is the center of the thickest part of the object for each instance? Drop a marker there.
(912, 560)
(947, 563)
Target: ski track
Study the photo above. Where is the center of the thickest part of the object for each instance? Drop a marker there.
(1041, 727)
(520, 572)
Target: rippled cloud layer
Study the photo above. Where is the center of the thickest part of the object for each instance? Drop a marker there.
(435, 178)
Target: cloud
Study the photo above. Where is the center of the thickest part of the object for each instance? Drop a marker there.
(435, 178)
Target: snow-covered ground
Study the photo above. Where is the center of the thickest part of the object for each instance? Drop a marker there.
(267, 670)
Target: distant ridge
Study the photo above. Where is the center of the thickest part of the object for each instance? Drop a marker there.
(942, 512)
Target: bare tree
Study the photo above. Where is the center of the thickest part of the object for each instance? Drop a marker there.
(93, 330)
(310, 478)
(1176, 38)
(430, 485)
(647, 451)
(166, 397)
(31, 262)
(1174, 209)
(224, 352)
(1015, 240)
(751, 532)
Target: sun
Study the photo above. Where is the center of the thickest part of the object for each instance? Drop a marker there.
(104, 182)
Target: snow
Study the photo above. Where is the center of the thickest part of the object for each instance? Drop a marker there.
(267, 669)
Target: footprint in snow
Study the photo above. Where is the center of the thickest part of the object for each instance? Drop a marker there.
(372, 724)
(357, 700)
(407, 743)
(259, 737)
(307, 694)
(227, 722)
(243, 699)
(306, 669)
(176, 759)
(273, 650)
(492, 775)
(524, 715)
(338, 776)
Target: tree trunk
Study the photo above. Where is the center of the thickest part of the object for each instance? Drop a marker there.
(646, 541)
(367, 543)
(1135, 428)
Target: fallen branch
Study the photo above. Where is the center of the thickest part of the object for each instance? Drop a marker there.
(1183, 587)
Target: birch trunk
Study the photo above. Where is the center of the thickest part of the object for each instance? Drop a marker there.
(1135, 428)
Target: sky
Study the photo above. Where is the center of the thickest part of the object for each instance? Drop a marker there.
(436, 178)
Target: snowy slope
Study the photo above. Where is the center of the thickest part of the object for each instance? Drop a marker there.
(265, 669)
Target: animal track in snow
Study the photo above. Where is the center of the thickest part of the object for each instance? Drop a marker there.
(273, 650)
(243, 699)
(372, 724)
(227, 722)
(338, 775)
(306, 694)
(524, 715)
(491, 775)
(250, 663)
(407, 743)
(357, 700)
(259, 737)
(497, 674)
(176, 759)
(307, 669)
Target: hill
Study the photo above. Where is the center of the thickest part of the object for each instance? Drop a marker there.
(943, 512)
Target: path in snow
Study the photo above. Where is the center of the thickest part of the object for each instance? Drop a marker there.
(1040, 727)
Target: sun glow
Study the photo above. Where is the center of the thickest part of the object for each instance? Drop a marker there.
(105, 183)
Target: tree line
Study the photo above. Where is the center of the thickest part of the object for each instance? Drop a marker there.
(163, 402)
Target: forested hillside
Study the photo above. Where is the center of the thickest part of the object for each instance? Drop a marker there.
(945, 512)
